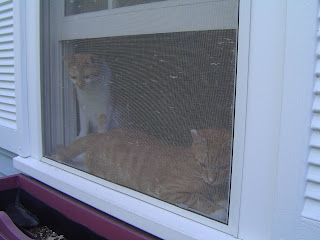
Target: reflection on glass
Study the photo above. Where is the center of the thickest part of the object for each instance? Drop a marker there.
(82, 6)
(164, 107)
(125, 3)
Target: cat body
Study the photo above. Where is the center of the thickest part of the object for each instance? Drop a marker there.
(196, 177)
(91, 77)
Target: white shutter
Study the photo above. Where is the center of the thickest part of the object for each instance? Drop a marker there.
(7, 85)
(13, 118)
(312, 195)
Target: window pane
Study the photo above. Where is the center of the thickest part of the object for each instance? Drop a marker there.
(82, 6)
(125, 3)
(153, 113)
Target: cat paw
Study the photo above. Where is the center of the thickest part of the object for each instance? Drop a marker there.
(220, 215)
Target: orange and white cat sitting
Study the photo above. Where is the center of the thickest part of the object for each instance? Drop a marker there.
(196, 177)
(91, 77)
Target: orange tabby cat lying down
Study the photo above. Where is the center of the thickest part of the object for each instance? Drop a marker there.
(196, 177)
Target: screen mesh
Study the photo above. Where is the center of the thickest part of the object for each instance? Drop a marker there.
(153, 113)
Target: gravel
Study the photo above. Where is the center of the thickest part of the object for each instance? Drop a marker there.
(45, 233)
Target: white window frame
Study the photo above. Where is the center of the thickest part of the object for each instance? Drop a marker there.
(274, 155)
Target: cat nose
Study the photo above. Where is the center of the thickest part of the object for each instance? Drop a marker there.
(211, 180)
(81, 84)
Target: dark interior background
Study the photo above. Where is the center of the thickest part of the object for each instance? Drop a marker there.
(167, 84)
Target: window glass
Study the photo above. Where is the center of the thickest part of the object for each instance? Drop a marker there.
(82, 6)
(124, 3)
(150, 112)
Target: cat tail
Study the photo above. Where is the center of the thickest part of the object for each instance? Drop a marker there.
(75, 148)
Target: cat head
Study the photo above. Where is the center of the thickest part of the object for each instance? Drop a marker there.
(82, 68)
(211, 149)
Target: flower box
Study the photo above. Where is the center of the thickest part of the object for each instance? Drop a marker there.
(64, 215)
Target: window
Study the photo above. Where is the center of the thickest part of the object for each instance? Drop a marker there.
(161, 97)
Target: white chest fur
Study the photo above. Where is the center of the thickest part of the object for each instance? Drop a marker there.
(94, 103)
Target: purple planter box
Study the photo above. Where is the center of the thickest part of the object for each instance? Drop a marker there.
(95, 221)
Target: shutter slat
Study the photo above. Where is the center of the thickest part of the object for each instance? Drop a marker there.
(8, 115)
(315, 139)
(7, 100)
(6, 54)
(316, 104)
(6, 6)
(5, 1)
(313, 174)
(314, 156)
(6, 38)
(315, 124)
(7, 92)
(6, 77)
(311, 209)
(317, 87)
(6, 22)
(7, 85)
(6, 15)
(8, 123)
(8, 108)
(6, 30)
(6, 69)
(6, 61)
(313, 191)
(6, 46)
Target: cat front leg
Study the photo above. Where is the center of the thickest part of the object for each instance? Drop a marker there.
(84, 123)
(102, 123)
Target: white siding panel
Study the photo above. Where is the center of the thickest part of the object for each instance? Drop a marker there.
(311, 208)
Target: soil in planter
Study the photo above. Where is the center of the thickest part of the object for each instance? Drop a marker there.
(52, 224)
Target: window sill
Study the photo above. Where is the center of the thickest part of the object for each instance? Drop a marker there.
(152, 219)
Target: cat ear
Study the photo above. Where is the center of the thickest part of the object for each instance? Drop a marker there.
(93, 59)
(195, 136)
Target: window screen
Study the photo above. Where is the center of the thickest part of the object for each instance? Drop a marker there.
(150, 112)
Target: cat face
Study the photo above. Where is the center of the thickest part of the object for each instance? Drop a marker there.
(82, 68)
(211, 149)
